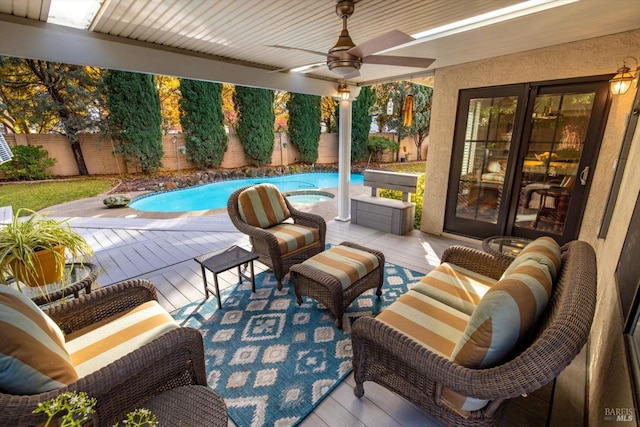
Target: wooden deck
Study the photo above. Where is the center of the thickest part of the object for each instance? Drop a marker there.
(162, 251)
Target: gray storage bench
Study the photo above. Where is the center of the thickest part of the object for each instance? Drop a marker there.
(392, 216)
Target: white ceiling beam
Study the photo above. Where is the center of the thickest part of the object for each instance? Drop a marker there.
(24, 38)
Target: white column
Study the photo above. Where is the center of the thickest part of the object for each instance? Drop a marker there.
(344, 162)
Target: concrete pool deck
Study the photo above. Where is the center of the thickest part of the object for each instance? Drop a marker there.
(93, 207)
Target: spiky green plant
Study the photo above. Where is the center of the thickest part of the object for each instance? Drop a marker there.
(22, 238)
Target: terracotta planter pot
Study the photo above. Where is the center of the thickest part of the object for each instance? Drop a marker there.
(49, 268)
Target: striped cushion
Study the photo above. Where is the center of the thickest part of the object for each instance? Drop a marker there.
(96, 346)
(455, 286)
(33, 358)
(544, 250)
(262, 206)
(346, 264)
(430, 323)
(292, 237)
(504, 318)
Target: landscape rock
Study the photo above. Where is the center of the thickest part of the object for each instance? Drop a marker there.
(117, 200)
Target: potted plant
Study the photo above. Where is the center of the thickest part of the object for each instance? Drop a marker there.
(28, 246)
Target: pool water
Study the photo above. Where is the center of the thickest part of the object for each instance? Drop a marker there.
(308, 196)
(216, 194)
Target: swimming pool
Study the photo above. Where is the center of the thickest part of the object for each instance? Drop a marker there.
(215, 195)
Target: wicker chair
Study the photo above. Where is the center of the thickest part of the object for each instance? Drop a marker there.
(389, 358)
(173, 360)
(265, 243)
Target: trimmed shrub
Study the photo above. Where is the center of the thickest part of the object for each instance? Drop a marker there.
(304, 125)
(203, 122)
(255, 123)
(361, 123)
(376, 145)
(29, 163)
(135, 120)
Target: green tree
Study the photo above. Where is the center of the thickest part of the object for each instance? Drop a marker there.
(255, 123)
(304, 125)
(361, 123)
(330, 113)
(419, 130)
(203, 122)
(397, 92)
(135, 122)
(169, 92)
(42, 96)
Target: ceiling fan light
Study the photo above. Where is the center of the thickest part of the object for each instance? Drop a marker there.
(344, 70)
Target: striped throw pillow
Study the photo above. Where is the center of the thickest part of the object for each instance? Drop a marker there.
(96, 346)
(33, 357)
(504, 318)
(544, 250)
(455, 286)
(262, 206)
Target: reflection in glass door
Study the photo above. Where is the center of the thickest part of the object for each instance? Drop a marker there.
(486, 150)
(559, 124)
(480, 164)
(521, 158)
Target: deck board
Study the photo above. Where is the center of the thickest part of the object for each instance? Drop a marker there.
(162, 251)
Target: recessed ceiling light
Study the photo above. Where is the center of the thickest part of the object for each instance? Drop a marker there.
(73, 13)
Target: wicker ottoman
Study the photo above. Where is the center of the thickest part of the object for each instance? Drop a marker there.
(339, 275)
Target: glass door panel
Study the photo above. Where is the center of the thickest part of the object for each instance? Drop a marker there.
(485, 153)
(559, 124)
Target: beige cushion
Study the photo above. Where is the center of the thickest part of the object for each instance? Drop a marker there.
(544, 250)
(96, 346)
(33, 357)
(293, 237)
(346, 264)
(504, 318)
(455, 286)
(430, 323)
(262, 206)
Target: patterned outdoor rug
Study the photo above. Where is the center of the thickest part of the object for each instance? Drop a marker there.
(273, 361)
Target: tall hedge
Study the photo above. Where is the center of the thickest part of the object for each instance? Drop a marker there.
(135, 120)
(203, 122)
(255, 123)
(304, 125)
(361, 123)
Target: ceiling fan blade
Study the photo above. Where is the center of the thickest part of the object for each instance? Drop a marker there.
(400, 61)
(297, 48)
(383, 42)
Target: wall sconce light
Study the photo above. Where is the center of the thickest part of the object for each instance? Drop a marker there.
(343, 92)
(621, 82)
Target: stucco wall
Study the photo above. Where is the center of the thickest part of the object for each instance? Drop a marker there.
(609, 381)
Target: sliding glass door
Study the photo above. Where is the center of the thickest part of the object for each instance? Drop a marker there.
(522, 158)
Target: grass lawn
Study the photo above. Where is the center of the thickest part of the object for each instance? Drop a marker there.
(39, 195)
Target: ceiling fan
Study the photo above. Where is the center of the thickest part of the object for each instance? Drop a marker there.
(345, 58)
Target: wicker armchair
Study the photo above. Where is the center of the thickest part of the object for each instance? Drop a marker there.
(267, 246)
(173, 360)
(389, 358)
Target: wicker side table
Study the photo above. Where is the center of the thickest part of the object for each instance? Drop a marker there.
(327, 289)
